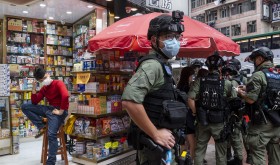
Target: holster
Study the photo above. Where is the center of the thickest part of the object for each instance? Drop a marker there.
(273, 116)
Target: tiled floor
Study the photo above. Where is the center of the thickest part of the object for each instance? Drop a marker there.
(30, 154)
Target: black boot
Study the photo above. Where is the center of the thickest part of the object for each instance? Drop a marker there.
(249, 159)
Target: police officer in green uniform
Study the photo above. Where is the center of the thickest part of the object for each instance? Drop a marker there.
(151, 85)
(211, 94)
(262, 94)
(232, 69)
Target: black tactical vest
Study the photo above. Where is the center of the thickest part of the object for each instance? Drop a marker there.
(272, 99)
(211, 93)
(153, 100)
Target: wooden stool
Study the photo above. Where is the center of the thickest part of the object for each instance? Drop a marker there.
(61, 148)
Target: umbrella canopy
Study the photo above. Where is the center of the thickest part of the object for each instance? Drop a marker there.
(130, 34)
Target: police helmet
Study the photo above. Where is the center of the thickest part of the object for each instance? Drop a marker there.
(165, 23)
(214, 61)
(236, 63)
(196, 63)
(265, 52)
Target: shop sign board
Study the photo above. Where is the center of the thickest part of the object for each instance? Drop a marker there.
(275, 9)
(169, 5)
(15, 24)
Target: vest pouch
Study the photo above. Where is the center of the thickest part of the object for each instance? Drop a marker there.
(273, 116)
(174, 115)
(215, 116)
(202, 116)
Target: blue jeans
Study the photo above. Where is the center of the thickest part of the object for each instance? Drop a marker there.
(35, 114)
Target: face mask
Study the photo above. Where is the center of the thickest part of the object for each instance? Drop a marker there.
(47, 81)
(171, 48)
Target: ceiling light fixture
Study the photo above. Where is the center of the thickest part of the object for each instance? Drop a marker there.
(69, 12)
(109, 0)
(43, 5)
(90, 6)
(117, 17)
(25, 11)
(51, 18)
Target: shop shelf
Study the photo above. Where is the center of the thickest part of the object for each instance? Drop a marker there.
(14, 42)
(59, 35)
(99, 137)
(60, 45)
(1, 138)
(99, 93)
(60, 55)
(13, 31)
(101, 115)
(115, 156)
(104, 72)
(18, 91)
(79, 35)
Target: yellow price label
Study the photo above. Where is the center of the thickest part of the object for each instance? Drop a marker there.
(82, 78)
(115, 145)
(108, 145)
(184, 154)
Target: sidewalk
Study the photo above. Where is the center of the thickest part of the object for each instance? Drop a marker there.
(30, 154)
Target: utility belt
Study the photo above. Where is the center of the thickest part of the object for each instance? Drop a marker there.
(206, 116)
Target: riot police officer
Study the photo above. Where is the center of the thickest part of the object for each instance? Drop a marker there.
(232, 69)
(196, 65)
(150, 87)
(262, 94)
(211, 93)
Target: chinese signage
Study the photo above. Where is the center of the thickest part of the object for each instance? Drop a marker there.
(275, 12)
(169, 5)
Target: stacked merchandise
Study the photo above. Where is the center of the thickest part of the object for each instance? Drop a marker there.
(5, 129)
(59, 53)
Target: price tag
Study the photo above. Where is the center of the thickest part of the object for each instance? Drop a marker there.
(115, 145)
(108, 145)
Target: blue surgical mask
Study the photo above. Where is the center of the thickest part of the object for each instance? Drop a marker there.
(171, 48)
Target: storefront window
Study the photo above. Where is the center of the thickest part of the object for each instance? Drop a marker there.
(261, 41)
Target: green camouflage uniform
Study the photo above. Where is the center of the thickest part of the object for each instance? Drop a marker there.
(236, 137)
(149, 77)
(204, 133)
(262, 136)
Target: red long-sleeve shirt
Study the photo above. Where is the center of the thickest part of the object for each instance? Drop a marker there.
(56, 93)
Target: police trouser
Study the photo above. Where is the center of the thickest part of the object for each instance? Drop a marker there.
(203, 135)
(236, 141)
(263, 137)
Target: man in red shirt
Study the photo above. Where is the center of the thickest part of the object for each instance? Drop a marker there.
(56, 94)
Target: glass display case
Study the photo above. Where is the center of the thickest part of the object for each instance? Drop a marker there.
(5, 128)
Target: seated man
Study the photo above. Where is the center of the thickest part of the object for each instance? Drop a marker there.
(56, 94)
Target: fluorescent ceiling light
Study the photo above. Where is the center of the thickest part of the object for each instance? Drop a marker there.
(50, 17)
(90, 6)
(25, 11)
(109, 0)
(117, 17)
(69, 12)
(134, 9)
(43, 5)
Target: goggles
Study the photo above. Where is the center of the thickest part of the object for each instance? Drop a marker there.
(177, 27)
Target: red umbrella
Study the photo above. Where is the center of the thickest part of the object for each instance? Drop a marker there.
(130, 34)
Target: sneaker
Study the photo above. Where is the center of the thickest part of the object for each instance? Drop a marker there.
(40, 132)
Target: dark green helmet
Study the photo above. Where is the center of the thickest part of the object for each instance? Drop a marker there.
(265, 52)
(214, 61)
(164, 23)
